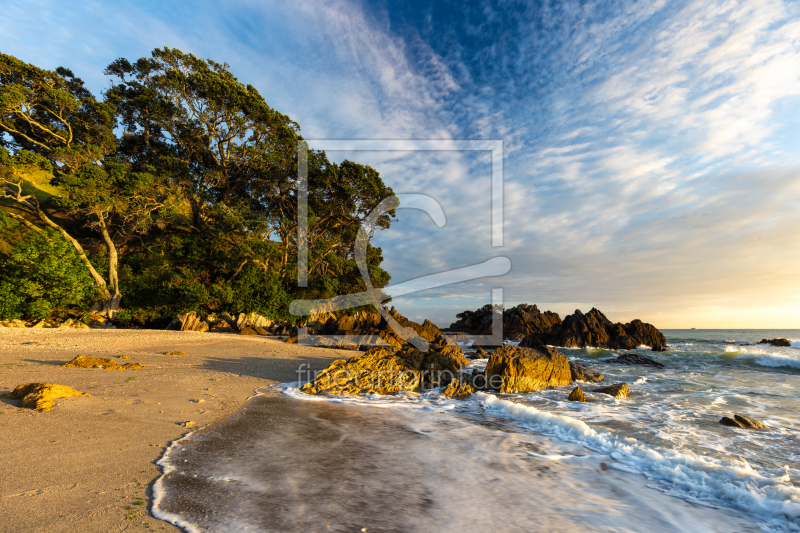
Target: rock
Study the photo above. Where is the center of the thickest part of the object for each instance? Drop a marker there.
(256, 319)
(101, 322)
(580, 372)
(478, 379)
(261, 331)
(247, 330)
(481, 352)
(749, 422)
(40, 396)
(725, 421)
(229, 320)
(13, 323)
(776, 342)
(458, 390)
(618, 390)
(346, 323)
(222, 326)
(634, 359)
(176, 352)
(291, 340)
(73, 323)
(374, 372)
(85, 361)
(576, 395)
(524, 369)
(38, 324)
(191, 322)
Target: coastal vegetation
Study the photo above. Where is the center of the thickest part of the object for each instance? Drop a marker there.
(175, 190)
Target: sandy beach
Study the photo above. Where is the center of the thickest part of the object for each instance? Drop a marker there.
(89, 464)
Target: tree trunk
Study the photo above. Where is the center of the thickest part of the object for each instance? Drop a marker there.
(112, 304)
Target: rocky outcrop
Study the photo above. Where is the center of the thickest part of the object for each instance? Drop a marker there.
(776, 342)
(390, 370)
(743, 422)
(634, 359)
(13, 323)
(577, 330)
(518, 321)
(40, 396)
(618, 390)
(579, 372)
(580, 330)
(188, 322)
(523, 369)
(576, 395)
(73, 323)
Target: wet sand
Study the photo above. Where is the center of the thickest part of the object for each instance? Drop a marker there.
(288, 465)
(89, 464)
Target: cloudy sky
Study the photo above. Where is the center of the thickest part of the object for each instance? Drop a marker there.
(651, 164)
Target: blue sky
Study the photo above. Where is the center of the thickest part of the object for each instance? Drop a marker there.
(651, 162)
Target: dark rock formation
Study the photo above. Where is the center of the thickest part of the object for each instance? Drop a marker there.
(576, 331)
(749, 422)
(576, 395)
(776, 342)
(618, 390)
(634, 359)
(593, 329)
(725, 421)
(518, 321)
(742, 421)
(522, 369)
(580, 372)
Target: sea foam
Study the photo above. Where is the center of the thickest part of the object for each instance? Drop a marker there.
(691, 477)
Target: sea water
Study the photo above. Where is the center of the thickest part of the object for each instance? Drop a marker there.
(656, 461)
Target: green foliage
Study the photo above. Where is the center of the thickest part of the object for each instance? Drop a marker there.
(40, 274)
(193, 206)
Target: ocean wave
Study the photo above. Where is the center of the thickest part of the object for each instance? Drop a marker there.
(691, 477)
(778, 360)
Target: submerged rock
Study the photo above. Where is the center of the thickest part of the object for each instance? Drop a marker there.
(579, 372)
(458, 390)
(40, 396)
(725, 421)
(776, 342)
(618, 390)
(85, 361)
(743, 421)
(634, 359)
(576, 395)
(524, 369)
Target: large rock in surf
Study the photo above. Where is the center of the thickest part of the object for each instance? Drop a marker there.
(576, 395)
(390, 370)
(743, 422)
(583, 373)
(580, 330)
(776, 342)
(576, 330)
(618, 390)
(458, 390)
(521, 369)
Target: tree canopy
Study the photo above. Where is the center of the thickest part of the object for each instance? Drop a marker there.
(176, 190)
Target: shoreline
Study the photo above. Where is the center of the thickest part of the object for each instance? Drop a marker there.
(90, 464)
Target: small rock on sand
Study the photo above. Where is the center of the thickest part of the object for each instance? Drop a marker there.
(40, 396)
